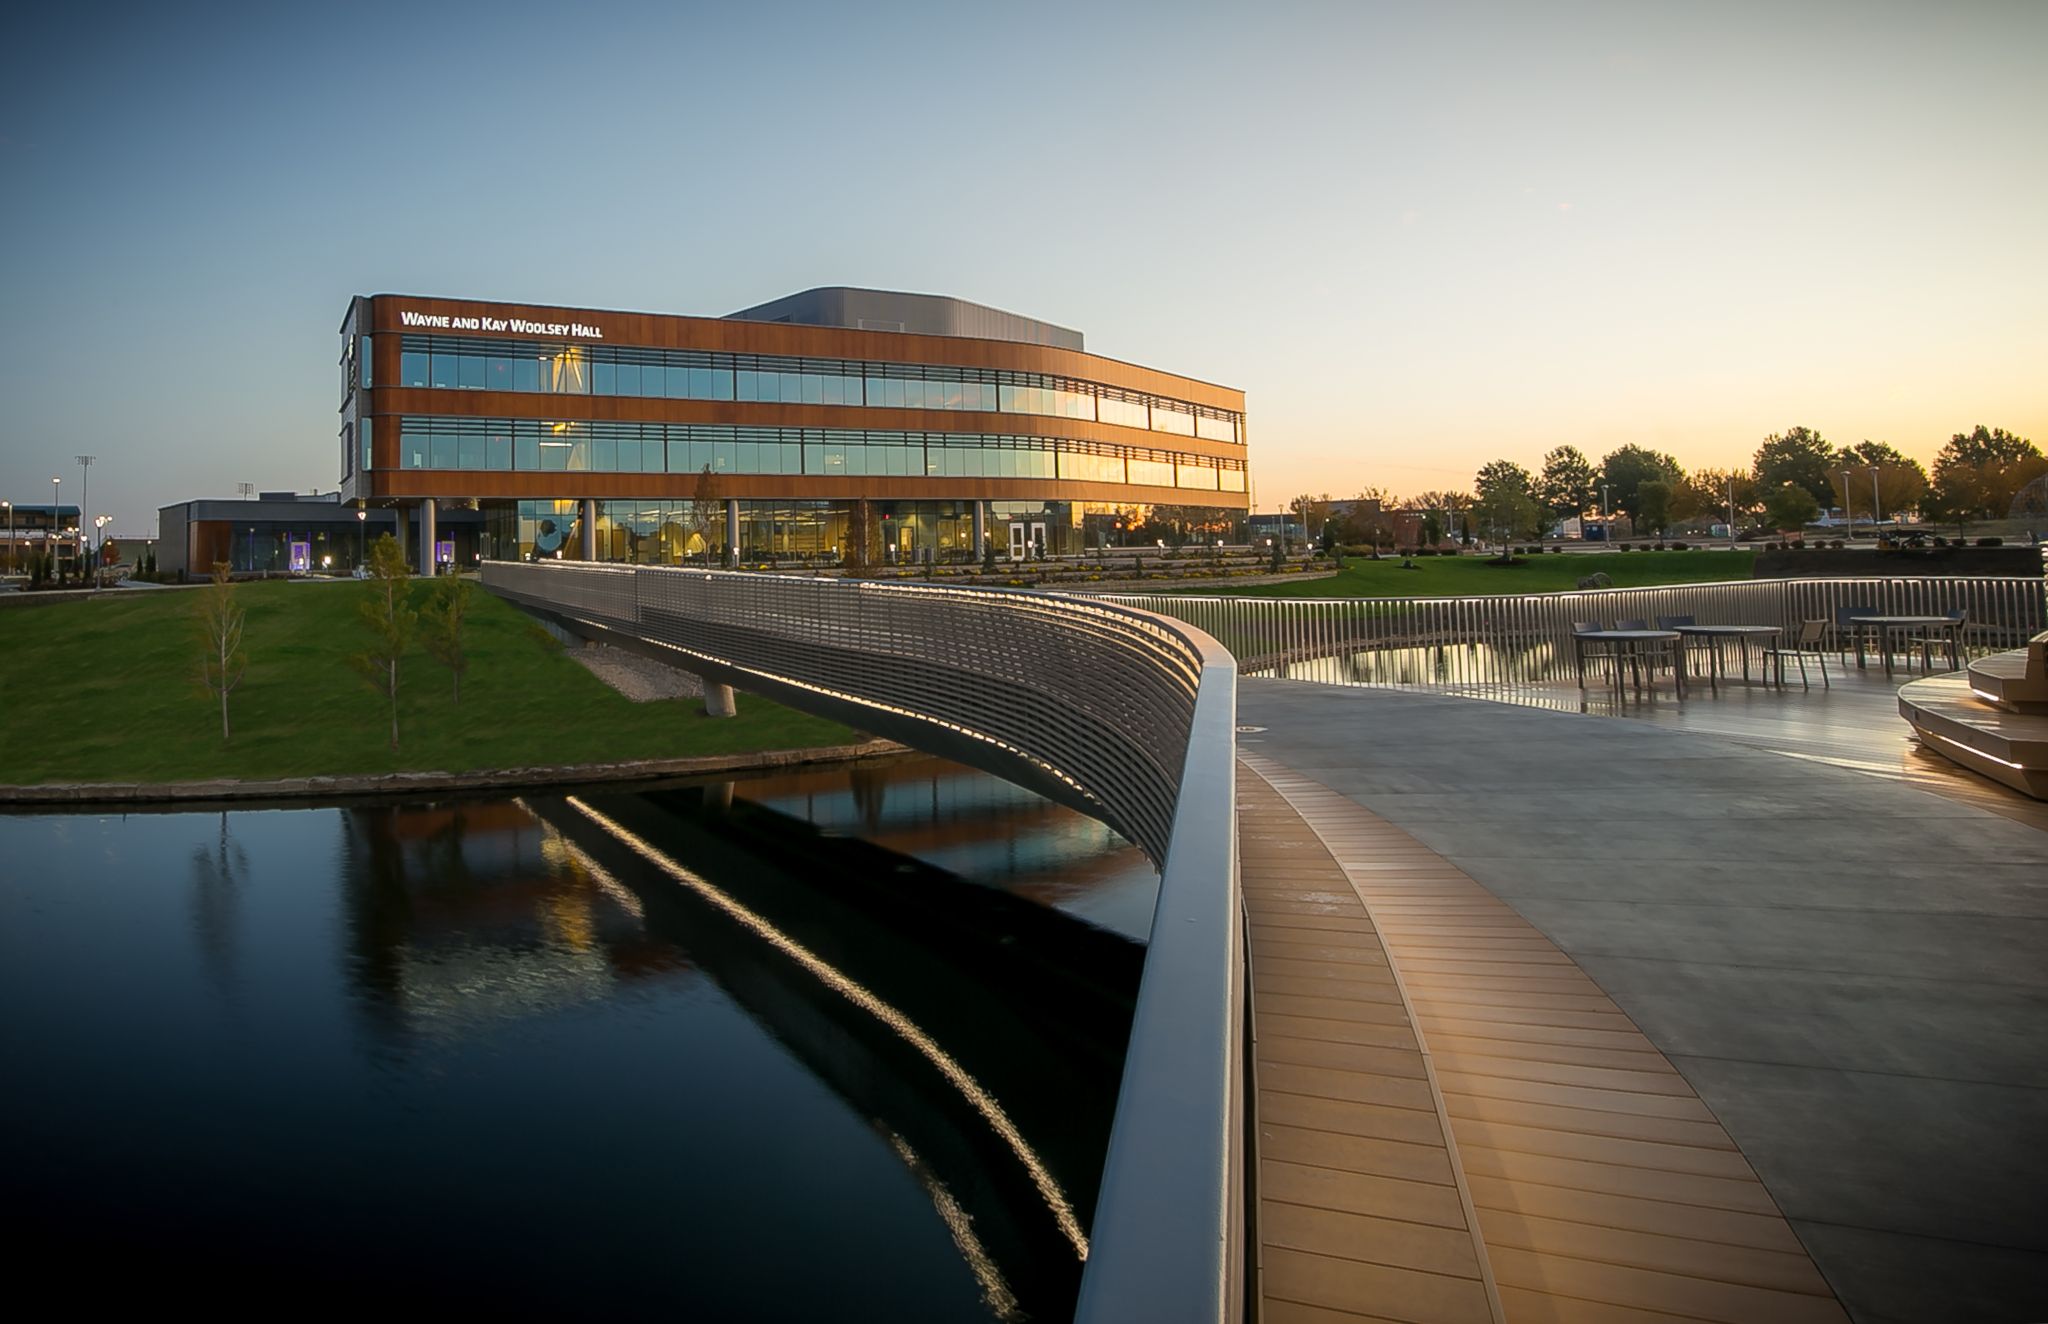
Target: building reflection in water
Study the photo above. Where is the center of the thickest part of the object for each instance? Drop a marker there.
(469, 914)
(978, 1030)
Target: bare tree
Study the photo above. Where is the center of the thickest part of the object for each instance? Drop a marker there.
(390, 618)
(443, 633)
(223, 662)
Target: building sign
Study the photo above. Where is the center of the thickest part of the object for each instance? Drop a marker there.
(302, 557)
(515, 325)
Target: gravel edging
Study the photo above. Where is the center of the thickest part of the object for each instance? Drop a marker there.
(415, 783)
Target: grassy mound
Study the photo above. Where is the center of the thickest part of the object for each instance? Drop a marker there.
(108, 690)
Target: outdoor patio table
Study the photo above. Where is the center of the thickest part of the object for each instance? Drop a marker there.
(1882, 627)
(1741, 634)
(1634, 643)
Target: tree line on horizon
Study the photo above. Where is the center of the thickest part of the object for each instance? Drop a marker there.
(1794, 476)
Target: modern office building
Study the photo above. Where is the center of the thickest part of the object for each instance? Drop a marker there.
(863, 425)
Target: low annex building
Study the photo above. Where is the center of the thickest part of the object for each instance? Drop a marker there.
(859, 425)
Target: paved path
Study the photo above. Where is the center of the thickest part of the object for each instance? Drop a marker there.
(1847, 970)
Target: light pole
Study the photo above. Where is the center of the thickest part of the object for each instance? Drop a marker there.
(362, 540)
(1606, 518)
(99, 529)
(50, 539)
(1876, 507)
(85, 498)
(10, 535)
(1731, 512)
(1847, 518)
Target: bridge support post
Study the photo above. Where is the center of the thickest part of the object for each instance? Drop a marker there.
(732, 532)
(427, 535)
(719, 700)
(586, 520)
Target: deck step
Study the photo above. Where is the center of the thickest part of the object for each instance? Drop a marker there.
(2002, 679)
(1953, 719)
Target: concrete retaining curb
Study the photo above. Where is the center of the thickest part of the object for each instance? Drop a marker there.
(74, 794)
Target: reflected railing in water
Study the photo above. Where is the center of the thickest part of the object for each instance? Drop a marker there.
(1526, 639)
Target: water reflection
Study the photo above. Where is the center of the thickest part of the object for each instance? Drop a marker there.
(685, 1050)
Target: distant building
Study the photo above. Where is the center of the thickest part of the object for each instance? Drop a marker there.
(29, 529)
(287, 532)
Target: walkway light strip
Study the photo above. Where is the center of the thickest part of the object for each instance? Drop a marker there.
(829, 975)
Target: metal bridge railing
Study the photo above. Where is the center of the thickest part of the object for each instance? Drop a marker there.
(1125, 713)
(1514, 639)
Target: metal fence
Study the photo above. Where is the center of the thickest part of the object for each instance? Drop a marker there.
(1130, 715)
(1527, 638)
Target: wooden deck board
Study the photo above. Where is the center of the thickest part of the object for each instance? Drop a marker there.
(1602, 1189)
(1361, 1213)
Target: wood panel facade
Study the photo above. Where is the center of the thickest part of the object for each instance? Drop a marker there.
(385, 402)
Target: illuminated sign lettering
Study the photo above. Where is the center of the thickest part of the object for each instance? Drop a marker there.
(516, 325)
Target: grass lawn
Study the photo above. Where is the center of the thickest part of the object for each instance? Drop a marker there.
(1465, 576)
(108, 690)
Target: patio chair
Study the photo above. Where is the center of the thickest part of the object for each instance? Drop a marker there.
(1846, 628)
(1692, 643)
(1596, 650)
(1949, 636)
(1810, 642)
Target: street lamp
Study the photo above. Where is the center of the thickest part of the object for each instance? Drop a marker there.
(1876, 509)
(99, 527)
(362, 540)
(10, 535)
(50, 539)
(1847, 518)
(1606, 517)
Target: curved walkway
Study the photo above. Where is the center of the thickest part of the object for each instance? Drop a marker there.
(1830, 980)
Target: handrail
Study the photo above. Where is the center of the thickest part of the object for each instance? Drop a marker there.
(1527, 638)
(1125, 713)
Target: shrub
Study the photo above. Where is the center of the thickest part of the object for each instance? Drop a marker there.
(1681, 547)
(1626, 546)
(1991, 542)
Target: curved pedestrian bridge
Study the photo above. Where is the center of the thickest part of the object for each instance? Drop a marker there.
(1550, 1017)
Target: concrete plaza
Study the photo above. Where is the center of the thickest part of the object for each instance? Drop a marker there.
(1836, 941)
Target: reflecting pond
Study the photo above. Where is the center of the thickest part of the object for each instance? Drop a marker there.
(839, 1044)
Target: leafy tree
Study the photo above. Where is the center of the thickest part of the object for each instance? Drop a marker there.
(1981, 444)
(1979, 472)
(388, 615)
(1790, 506)
(1901, 482)
(1507, 512)
(1432, 528)
(1624, 471)
(442, 630)
(1502, 475)
(1654, 497)
(1313, 512)
(1797, 455)
(1706, 494)
(1569, 486)
(222, 661)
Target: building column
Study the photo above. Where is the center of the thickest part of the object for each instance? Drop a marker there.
(401, 530)
(427, 535)
(586, 520)
(732, 550)
(980, 529)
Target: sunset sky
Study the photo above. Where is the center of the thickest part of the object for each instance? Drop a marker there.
(1419, 237)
